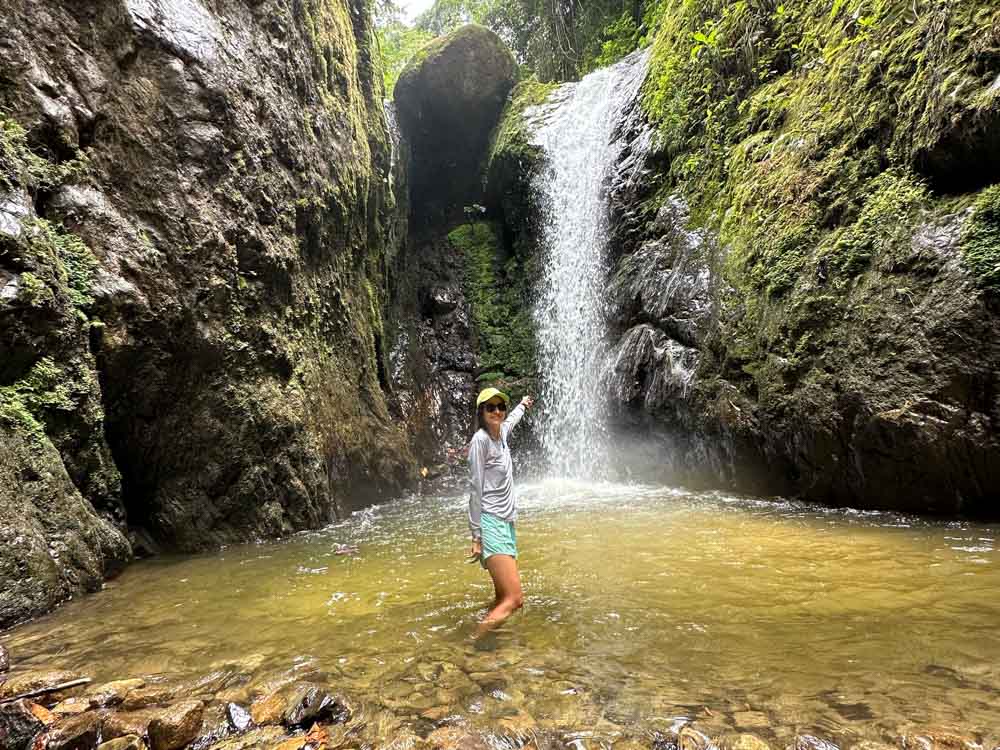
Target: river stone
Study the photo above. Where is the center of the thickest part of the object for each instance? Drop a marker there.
(18, 726)
(124, 723)
(263, 738)
(71, 707)
(455, 738)
(239, 718)
(690, 738)
(742, 742)
(148, 696)
(872, 745)
(29, 682)
(73, 733)
(4, 659)
(268, 709)
(48, 718)
(809, 742)
(175, 726)
(128, 742)
(112, 693)
(312, 703)
(938, 739)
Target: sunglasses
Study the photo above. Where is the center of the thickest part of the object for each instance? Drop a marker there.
(495, 407)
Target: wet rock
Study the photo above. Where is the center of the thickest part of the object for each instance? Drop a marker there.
(809, 742)
(456, 738)
(215, 725)
(448, 99)
(751, 719)
(872, 745)
(29, 682)
(124, 723)
(128, 742)
(239, 718)
(313, 703)
(18, 726)
(112, 693)
(690, 738)
(74, 733)
(176, 726)
(4, 659)
(442, 300)
(938, 739)
(742, 742)
(48, 718)
(255, 739)
(268, 709)
(148, 696)
(71, 707)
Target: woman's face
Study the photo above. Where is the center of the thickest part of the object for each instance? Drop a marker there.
(495, 411)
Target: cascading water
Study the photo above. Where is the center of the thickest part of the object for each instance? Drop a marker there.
(578, 140)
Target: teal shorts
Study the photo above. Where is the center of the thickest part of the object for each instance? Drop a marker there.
(499, 537)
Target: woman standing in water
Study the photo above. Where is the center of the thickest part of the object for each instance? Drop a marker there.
(492, 504)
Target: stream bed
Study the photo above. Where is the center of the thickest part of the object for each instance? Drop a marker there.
(642, 605)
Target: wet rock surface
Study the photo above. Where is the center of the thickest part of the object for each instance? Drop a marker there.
(18, 725)
(215, 177)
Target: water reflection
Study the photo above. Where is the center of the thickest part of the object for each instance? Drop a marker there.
(643, 604)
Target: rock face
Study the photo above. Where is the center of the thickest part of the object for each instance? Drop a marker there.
(791, 316)
(196, 214)
(460, 320)
(839, 344)
(449, 97)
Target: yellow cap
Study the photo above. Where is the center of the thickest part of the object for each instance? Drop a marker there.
(487, 393)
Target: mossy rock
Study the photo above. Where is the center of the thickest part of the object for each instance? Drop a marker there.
(449, 98)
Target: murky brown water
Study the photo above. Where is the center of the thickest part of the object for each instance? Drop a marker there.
(643, 604)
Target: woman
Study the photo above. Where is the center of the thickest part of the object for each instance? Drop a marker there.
(492, 505)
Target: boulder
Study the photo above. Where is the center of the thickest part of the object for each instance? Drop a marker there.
(449, 98)
(175, 726)
(18, 726)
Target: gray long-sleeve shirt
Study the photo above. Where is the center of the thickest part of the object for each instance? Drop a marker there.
(491, 475)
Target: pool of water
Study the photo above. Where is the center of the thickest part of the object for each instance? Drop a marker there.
(643, 604)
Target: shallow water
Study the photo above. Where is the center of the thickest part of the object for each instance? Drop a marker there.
(642, 604)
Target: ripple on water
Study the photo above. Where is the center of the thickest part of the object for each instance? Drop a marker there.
(643, 603)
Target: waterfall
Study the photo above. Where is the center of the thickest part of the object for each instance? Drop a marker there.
(577, 137)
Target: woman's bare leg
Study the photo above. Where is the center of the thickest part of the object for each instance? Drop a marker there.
(509, 597)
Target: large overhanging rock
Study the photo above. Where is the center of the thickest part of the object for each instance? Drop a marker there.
(449, 98)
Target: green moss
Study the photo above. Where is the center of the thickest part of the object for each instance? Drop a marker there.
(21, 167)
(496, 287)
(46, 387)
(795, 131)
(981, 240)
(511, 136)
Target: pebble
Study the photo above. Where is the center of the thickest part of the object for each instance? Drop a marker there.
(4, 659)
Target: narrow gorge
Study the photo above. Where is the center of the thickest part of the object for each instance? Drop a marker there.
(745, 253)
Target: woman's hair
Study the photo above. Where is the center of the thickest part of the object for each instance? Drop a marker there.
(477, 419)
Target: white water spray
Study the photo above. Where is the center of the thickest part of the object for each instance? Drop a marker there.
(577, 138)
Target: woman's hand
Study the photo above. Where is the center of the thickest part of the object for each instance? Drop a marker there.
(527, 402)
(477, 549)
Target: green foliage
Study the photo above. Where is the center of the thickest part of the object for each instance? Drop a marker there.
(45, 388)
(795, 130)
(981, 240)
(22, 167)
(495, 287)
(399, 42)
